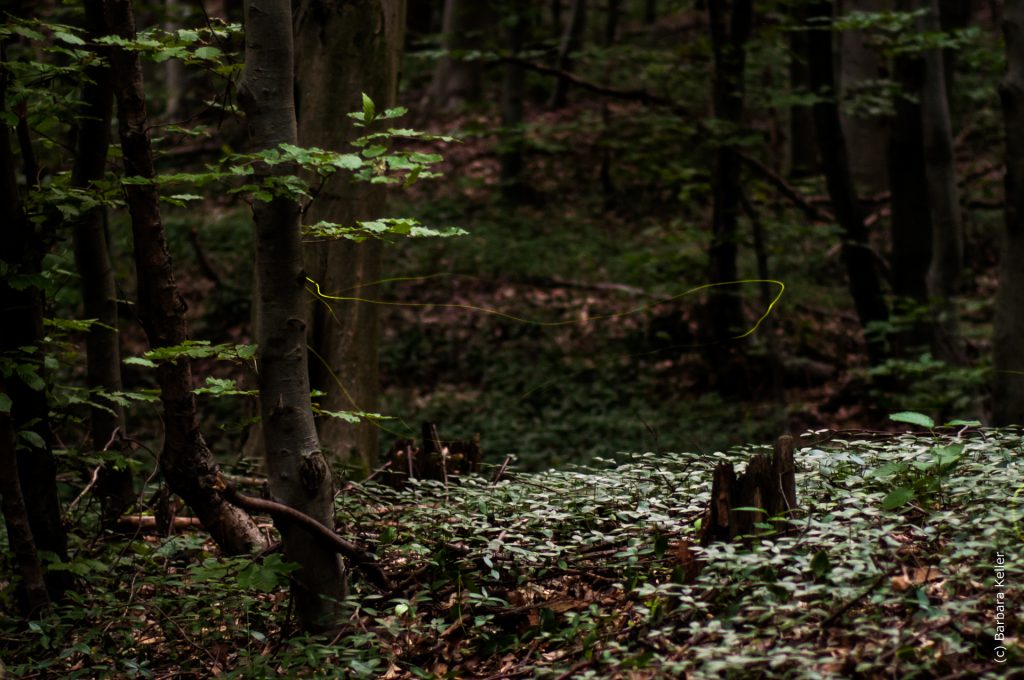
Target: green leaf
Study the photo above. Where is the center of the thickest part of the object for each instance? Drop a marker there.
(887, 470)
(369, 110)
(963, 423)
(5, 403)
(207, 53)
(32, 439)
(898, 497)
(912, 417)
(28, 375)
(139, 361)
(347, 161)
(820, 564)
(69, 38)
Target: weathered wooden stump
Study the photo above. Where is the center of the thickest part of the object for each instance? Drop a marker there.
(434, 458)
(738, 504)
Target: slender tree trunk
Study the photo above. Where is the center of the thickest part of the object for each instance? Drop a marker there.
(572, 40)
(16, 518)
(345, 335)
(861, 266)
(945, 274)
(512, 95)
(611, 22)
(802, 158)
(1008, 343)
(911, 216)
(22, 308)
(859, 63)
(99, 293)
(731, 22)
(174, 69)
(296, 469)
(457, 81)
(953, 15)
(186, 461)
(650, 11)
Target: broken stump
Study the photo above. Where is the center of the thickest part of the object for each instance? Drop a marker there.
(738, 504)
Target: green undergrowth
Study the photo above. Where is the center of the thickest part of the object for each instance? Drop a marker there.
(890, 568)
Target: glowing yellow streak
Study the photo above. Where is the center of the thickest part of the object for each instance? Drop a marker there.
(564, 322)
(323, 298)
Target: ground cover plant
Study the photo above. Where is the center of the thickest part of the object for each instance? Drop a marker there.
(890, 566)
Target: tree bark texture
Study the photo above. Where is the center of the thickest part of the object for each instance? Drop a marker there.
(456, 81)
(1008, 343)
(22, 249)
(861, 266)
(186, 461)
(92, 259)
(16, 518)
(730, 22)
(343, 50)
(297, 471)
(945, 273)
(859, 63)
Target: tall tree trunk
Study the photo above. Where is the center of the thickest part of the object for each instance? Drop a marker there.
(457, 81)
(572, 39)
(861, 266)
(859, 63)
(21, 248)
(345, 334)
(1008, 343)
(802, 159)
(186, 461)
(953, 15)
(513, 82)
(16, 518)
(946, 271)
(99, 293)
(299, 475)
(911, 215)
(611, 22)
(730, 22)
(650, 11)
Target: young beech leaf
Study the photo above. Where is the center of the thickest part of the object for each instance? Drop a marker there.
(912, 417)
(369, 110)
(820, 564)
(897, 497)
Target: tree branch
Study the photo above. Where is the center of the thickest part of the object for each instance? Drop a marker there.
(363, 560)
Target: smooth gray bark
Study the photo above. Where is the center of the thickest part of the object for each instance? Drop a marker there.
(859, 63)
(341, 53)
(297, 472)
(457, 80)
(946, 271)
(1008, 343)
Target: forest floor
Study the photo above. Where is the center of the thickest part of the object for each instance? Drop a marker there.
(902, 560)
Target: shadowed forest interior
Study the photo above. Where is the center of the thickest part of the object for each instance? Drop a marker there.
(511, 338)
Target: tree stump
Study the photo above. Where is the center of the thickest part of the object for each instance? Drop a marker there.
(739, 504)
(434, 459)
